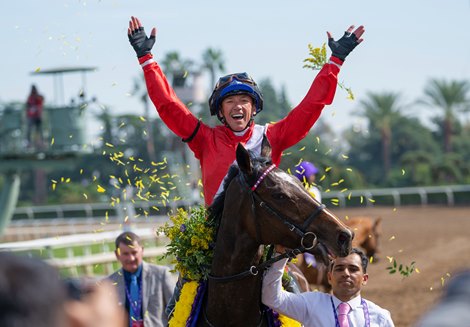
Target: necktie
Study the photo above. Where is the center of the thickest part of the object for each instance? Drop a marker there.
(343, 310)
(134, 295)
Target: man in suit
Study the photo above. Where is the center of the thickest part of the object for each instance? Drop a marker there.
(345, 307)
(143, 288)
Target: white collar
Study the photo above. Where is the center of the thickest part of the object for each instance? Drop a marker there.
(353, 303)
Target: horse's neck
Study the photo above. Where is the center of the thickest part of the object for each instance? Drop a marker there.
(234, 303)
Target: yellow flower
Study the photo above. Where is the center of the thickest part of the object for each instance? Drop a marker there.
(184, 305)
(288, 322)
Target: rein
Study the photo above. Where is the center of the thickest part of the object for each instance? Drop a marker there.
(254, 270)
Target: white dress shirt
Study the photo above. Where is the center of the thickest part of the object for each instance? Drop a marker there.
(314, 309)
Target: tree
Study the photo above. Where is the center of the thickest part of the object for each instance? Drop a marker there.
(276, 106)
(382, 110)
(450, 97)
(213, 61)
(176, 68)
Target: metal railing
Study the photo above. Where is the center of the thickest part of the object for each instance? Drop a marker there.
(95, 249)
(442, 195)
(449, 195)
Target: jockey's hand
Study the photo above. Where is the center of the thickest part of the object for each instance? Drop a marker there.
(138, 39)
(343, 47)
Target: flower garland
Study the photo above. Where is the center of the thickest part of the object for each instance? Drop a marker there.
(186, 308)
(288, 322)
(191, 242)
(184, 305)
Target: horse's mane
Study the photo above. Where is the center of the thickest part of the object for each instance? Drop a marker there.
(217, 207)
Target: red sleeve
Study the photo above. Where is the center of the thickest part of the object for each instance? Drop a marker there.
(295, 126)
(172, 111)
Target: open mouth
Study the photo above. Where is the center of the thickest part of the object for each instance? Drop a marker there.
(237, 116)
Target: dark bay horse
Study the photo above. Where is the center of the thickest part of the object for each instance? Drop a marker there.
(261, 204)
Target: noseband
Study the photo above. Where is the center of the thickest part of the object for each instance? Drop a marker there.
(301, 231)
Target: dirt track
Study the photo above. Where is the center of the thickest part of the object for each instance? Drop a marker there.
(436, 238)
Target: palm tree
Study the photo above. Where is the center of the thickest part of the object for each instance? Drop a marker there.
(213, 62)
(451, 97)
(176, 68)
(382, 110)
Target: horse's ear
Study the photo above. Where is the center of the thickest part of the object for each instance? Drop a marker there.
(377, 224)
(265, 147)
(243, 159)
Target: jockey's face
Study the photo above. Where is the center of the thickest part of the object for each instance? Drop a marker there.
(237, 111)
(347, 277)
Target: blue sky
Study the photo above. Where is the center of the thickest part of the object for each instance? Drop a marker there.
(406, 43)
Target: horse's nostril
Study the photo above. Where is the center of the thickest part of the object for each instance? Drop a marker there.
(344, 238)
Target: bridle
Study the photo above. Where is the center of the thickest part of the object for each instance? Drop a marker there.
(299, 230)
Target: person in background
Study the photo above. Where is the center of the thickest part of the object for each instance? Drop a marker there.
(31, 293)
(92, 303)
(453, 310)
(143, 289)
(34, 108)
(344, 308)
(306, 173)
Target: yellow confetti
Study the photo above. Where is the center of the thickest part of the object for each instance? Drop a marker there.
(302, 148)
(85, 196)
(327, 169)
(37, 70)
(142, 118)
(318, 140)
(392, 238)
(109, 145)
(371, 259)
(390, 259)
(81, 171)
(101, 189)
(344, 156)
(349, 169)
(52, 141)
(417, 270)
(403, 172)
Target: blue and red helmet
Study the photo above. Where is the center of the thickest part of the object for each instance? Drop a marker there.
(232, 84)
(304, 170)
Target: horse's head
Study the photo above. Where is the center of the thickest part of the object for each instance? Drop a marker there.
(283, 212)
(367, 233)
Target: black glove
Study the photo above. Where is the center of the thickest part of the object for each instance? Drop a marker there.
(343, 47)
(140, 42)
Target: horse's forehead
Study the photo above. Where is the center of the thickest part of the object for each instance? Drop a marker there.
(286, 178)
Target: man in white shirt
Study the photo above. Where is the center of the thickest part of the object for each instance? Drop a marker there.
(347, 276)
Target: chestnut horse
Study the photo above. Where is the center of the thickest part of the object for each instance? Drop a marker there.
(261, 204)
(367, 233)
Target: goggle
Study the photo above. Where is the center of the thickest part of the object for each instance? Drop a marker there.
(225, 80)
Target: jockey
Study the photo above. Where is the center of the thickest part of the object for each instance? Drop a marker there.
(236, 100)
(306, 173)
